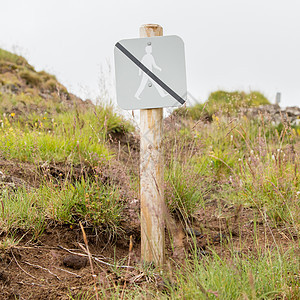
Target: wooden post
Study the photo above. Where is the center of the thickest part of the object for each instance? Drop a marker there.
(278, 98)
(152, 176)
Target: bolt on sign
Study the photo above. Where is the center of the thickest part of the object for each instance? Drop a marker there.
(150, 72)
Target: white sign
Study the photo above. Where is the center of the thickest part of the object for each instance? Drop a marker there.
(150, 72)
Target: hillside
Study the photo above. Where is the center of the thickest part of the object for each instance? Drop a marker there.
(69, 191)
(24, 91)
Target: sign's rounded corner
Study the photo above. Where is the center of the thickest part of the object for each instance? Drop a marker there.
(179, 38)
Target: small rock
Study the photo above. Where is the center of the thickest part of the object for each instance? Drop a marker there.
(4, 277)
(75, 262)
(220, 238)
(193, 232)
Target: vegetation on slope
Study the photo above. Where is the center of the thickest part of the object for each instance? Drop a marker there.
(233, 179)
(45, 126)
(225, 103)
(247, 162)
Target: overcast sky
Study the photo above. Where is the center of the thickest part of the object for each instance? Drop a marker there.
(232, 44)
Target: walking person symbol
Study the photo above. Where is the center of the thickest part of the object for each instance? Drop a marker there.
(149, 61)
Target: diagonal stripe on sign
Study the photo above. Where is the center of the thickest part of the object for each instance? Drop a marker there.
(149, 73)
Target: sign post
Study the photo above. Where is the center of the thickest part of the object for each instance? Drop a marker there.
(150, 75)
(152, 176)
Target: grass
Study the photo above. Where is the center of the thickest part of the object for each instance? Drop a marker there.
(68, 137)
(240, 161)
(181, 197)
(266, 275)
(92, 203)
(222, 103)
(15, 70)
(7, 56)
(20, 210)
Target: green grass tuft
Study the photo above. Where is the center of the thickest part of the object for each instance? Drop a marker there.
(11, 57)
